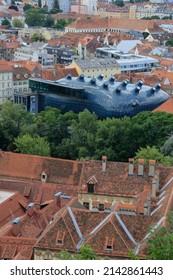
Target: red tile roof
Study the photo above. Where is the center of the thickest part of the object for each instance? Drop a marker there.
(119, 23)
(115, 181)
(166, 106)
(30, 168)
(11, 207)
(5, 66)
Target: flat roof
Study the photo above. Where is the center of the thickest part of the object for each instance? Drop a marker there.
(5, 195)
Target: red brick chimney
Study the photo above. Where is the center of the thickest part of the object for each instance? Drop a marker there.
(140, 167)
(131, 166)
(104, 159)
(152, 164)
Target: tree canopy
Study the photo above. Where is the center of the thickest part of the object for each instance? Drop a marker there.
(153, 153)
(17, 23)
(84, 136)
(34, 17)
(161, 243)
(26, 144)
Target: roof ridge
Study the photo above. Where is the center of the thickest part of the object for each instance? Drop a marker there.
(125, 228)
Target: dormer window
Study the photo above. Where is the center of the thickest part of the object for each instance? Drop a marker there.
(43, 177)
(109, 241)
(90, 187)
(91, 184)
(60, 237)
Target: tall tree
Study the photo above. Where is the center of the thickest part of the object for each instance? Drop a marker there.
(153, 153)
(34, 17)
(26, 144)
(13, 118)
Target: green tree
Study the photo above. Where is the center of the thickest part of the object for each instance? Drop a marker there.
(49, 21)
(83, 132)
(17, 23)
(37, 37)
(13, 118)
(65, 255)
(60, 24)
(34, 17)
(150, 129)
(161, 242)
(167, 148)
(169, 43)
(113, 139)
(87, 253)
(6, 23)
(153, 153)
(55, 128)
(27, 7)
(26, 144)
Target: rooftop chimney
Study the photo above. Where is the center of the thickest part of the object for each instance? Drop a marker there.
(140, 167)
(151, 167)
(57, 199)
(16, 226)
(155, 184)
(131, 166)
(31, 209)
(147, 206)
(104, 158)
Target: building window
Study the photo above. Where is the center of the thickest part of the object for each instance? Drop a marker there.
(90, 188)
(86, 205)
(60, 237)
(109, 241)
(101, 207)
(109, 247)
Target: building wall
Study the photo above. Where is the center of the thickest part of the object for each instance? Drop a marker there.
(103, 198)
(6, 85)
(91, 4)
(64, 6)
(94, 72)
(79, 9)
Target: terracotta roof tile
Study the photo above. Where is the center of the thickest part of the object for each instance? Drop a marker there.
(59, 171)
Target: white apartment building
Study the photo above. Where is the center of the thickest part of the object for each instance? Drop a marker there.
(6, 81)
(29, 53)
(64, 5)
(129, 63)
(91, 4)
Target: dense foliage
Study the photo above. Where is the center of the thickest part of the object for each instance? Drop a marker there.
(86, 253)
(81, 136)
(41, 17)
(161, 243)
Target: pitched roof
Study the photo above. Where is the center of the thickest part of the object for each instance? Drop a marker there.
(116, 181)
(166, 106)
(5, 66)
(30, 168)
(119, 23)
(12, 205)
